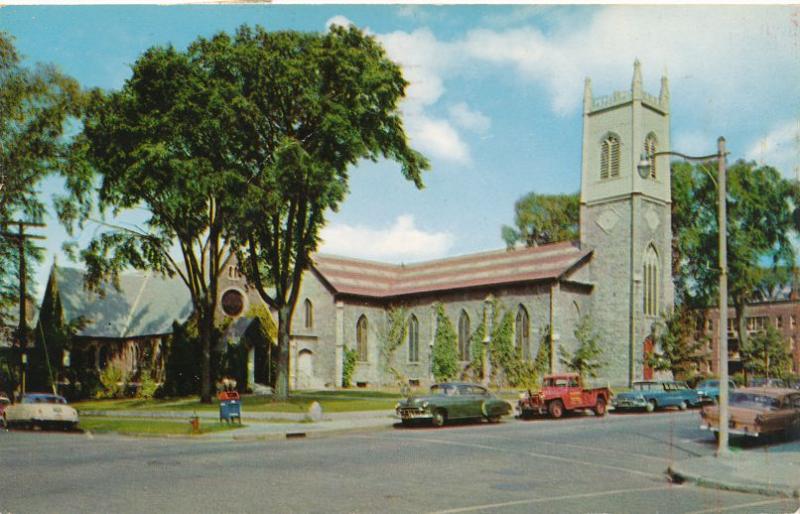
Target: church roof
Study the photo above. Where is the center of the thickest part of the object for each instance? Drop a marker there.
(501, 267)
(145, 305)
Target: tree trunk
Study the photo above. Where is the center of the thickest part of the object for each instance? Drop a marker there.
(284, 327)
(206, 323)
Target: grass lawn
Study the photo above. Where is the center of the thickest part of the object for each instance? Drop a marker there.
(148, 426)
(331, 401)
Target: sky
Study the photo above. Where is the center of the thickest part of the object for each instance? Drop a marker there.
(494, 100)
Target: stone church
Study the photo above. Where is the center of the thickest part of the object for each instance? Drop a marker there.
(618, 272)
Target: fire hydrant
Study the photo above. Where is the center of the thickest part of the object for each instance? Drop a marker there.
(195, 422)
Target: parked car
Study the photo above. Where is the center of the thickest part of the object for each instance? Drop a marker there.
(652, 395)
(766, 382)
(708, 389)
(452, 401)
(41, 409)
(757, 412)
(563, 393)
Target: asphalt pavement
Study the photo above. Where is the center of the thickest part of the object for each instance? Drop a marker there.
(368, 463)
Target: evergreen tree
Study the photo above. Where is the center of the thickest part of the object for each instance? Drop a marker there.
(585, 360)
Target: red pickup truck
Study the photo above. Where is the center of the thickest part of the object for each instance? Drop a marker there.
(563, 393)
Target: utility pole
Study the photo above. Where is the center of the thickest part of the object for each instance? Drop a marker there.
(22, 329)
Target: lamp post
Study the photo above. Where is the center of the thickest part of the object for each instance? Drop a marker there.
(644, 172)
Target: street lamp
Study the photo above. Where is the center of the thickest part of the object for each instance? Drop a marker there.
(644, 172)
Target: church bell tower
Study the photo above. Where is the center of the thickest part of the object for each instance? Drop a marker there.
(625, 218)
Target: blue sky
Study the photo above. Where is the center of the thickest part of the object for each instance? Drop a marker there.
(494, 101)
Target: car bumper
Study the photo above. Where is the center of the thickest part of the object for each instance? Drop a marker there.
(408, 414)
(629, 404)
(732, 431)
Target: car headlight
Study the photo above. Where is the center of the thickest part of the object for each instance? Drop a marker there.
(425, 405)
(396, 405)
(523, 396)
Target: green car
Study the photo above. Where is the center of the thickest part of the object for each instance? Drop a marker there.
(452, 401)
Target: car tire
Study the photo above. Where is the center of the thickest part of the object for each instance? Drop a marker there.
(651, 406)
(556, 408)
(493, 419)
(4, 421)
(600, 407)
(439, 418)
(682, 405)
(407, 422)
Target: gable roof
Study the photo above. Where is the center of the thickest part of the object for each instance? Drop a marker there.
(145, 305)
(374, 279)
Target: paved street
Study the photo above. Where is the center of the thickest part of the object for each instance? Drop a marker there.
(584, 464)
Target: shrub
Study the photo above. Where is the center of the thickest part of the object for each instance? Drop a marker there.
(147, 387)
(349, 367)
(114, 381)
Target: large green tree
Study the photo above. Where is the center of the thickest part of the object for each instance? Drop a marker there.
(312, 106)
(162, 143)
(35, 104)
(760, 229)
(767, 353)
(541, 219)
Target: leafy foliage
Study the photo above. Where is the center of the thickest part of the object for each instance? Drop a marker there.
(541, 363)
(350, 357)
(585, 360)
(35, 105)
(541, 219)
(678, 350)
(760, 227)
(147, 387)
(767, 353)
(445, 348)
(315, 105)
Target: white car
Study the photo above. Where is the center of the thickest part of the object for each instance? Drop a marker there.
(41, 410)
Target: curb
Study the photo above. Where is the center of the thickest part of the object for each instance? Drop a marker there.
(679, 476)
(311, 434)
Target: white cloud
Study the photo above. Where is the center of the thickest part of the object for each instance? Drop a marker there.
(470, 119)
(340, 20)
(780, 148)
(402, 241)
(695, 143)
(437, 138)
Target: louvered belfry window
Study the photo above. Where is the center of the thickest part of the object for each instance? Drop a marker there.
(609, 157)
(650, 145)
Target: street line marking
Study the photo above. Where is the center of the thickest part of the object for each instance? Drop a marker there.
(550, 499)
(594, 449)
(541, 455)
(740, 506)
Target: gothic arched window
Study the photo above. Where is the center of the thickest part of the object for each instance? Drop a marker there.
(463, 336)
(522, 333)
(609, 157)
(650, 273)
(413, 339)
(309, 313)
(650, 148)
(361, 338)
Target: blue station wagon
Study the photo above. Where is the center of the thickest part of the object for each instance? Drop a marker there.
(652, 395)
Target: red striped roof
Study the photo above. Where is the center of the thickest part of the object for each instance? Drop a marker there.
(375, 279)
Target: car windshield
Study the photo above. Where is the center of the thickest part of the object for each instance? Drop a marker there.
(708, 383)
(43, 398)
(754, 400)
(641, 386)
(445, 389)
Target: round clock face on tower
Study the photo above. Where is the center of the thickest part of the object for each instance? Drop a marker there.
(232, 302)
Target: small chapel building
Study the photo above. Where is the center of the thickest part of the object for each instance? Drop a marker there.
(618, 271)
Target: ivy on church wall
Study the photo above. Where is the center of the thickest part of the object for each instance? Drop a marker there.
(445, 348)
(508, 367)
(392, 334)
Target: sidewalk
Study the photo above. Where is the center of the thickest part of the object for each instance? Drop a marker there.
(768, 470)
(270, 425)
